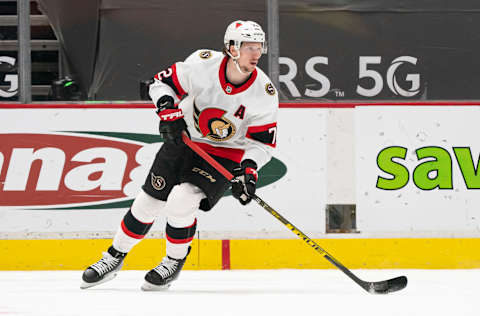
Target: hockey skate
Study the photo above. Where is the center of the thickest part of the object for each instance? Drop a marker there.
(160, 277)
(104, 269)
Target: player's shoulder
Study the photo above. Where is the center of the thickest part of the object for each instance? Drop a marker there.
(204, 56)
(266, 86)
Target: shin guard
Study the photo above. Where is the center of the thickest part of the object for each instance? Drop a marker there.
(179, 239)
(131, 231)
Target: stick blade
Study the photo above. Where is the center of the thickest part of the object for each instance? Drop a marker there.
(388, 286)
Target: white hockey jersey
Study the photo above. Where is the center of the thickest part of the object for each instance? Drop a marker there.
(237, 122)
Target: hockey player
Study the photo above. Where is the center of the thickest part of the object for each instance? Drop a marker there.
(228, 107)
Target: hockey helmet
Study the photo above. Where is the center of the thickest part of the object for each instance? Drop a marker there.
(244, 31)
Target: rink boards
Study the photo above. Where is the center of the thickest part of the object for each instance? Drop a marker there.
(398, 253)
(69, 172)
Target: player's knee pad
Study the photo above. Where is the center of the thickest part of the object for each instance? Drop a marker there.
(182, 204)
(146, 208)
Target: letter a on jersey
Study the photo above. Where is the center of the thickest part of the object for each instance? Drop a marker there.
(240, 112)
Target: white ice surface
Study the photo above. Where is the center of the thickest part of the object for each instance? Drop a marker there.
(245, 293)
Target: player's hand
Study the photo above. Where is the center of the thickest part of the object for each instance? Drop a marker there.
(171, 131)
(245, 181)
(172, 123)
(164, 103)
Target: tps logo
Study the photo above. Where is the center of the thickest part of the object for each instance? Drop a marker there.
(12, 79)
(170, 114)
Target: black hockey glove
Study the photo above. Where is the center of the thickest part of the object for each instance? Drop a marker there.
(172, 123)
(245, 181)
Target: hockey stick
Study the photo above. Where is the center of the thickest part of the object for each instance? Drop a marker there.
(379, 287)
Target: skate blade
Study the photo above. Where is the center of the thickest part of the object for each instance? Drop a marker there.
(86, 285)
(148, 287)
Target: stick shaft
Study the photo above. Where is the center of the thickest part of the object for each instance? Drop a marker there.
(207, 157)
(275, 214)
(306, 239)
(257, 199)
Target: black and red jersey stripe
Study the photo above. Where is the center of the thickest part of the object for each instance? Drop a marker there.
(264, 134)
(170, 78)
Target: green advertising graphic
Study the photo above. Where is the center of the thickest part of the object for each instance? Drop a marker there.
(434, 170)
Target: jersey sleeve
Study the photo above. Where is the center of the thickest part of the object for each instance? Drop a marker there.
(173, 81)
(261, 136)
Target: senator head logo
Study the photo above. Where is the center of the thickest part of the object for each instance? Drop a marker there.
(212, 124)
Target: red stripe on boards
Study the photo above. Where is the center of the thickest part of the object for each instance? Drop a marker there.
(225, 254)
(285, 105)
(99, 105)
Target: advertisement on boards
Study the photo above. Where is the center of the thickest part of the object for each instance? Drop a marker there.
(77, 170)
(417, 169)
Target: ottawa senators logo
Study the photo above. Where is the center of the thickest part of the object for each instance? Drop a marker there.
(205, 54)
(270, 89)
(158, 182)
(212, 124)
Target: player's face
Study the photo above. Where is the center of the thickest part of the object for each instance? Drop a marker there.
(250, 53)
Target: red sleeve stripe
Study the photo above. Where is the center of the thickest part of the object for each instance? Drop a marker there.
(177, 83)
(262, 134)
(259, 129)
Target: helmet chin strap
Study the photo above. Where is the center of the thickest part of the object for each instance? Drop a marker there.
(235, 61)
